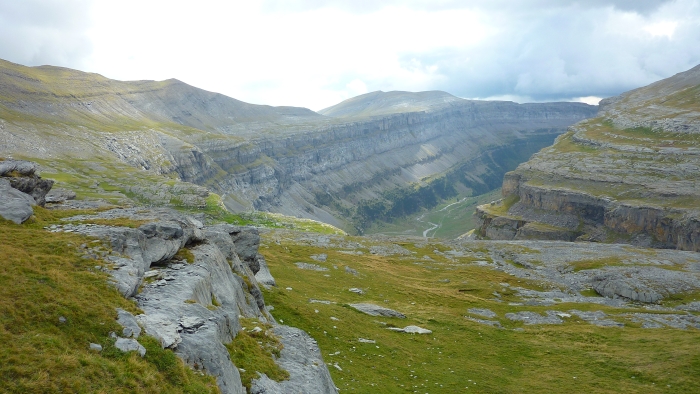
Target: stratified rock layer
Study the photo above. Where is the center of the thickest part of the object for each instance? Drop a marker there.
(374, 157)
(629, 175)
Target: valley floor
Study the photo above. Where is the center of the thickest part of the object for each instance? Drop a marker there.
(448, 220)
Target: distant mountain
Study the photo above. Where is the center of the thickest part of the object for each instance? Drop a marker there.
(384, 103)
(61, 94)
(628, 175)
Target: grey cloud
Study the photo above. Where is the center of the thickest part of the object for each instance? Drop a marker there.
(561, 56)
(38, 32)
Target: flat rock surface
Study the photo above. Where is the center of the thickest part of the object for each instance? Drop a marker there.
(376, 310)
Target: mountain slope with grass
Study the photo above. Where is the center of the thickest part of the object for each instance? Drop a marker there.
(410, 151)
(629, 175)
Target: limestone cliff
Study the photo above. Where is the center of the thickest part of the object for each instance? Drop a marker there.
(194, 305)
(373, 157)
(628, 175)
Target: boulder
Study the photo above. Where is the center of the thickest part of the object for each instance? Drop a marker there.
(129, 344)
(34, 186)
(247, 241)
(22, 176)
(59, 195)
(11, 168)
(411, 330)
(128, 321)
(15, 205)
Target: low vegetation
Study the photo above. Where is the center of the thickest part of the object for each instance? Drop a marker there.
(436, 293)
(43, 280)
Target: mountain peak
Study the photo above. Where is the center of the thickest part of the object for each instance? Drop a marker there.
(383, 103)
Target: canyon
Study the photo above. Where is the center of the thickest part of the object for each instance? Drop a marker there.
(378, 156)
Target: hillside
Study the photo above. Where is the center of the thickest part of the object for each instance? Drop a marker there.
(629, 175)
(348, 172)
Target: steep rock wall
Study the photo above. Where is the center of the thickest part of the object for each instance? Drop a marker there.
(325, 173)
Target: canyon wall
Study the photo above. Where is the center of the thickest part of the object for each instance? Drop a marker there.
(629, 175)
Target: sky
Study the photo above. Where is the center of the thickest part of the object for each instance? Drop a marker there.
(314, 54)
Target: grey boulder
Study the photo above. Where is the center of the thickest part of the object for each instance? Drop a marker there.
(15, 205)
(129, 344)
(128, 321)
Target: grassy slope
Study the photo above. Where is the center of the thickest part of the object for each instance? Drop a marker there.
(43, 277)
(460, 355)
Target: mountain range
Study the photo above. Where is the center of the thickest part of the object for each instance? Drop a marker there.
(377, 156)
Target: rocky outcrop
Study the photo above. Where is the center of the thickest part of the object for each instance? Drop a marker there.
(21, 188)
(192, 305)
(302, 358)
(14, 205)
(628, 176)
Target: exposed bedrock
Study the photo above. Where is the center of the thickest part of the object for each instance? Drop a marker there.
(328, 171)
(569, 215)
(629, 175)
(193, 304)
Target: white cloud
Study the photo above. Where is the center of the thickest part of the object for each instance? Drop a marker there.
(356, 87)
(666, 28)
(592, 100)
(316, 53)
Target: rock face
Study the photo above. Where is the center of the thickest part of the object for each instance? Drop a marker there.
(302, 358)
(374, 157)
(14, 205)
(629, 175)
(20, 189)
(194, 308)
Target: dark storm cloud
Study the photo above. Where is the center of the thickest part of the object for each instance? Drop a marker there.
(37, 32)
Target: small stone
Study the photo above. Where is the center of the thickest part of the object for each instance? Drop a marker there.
(416, 330)
(62, 320)
(356, 290)
(95, 347)
(351, 271)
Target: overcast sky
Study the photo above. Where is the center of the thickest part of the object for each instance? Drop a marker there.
(315, 53)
